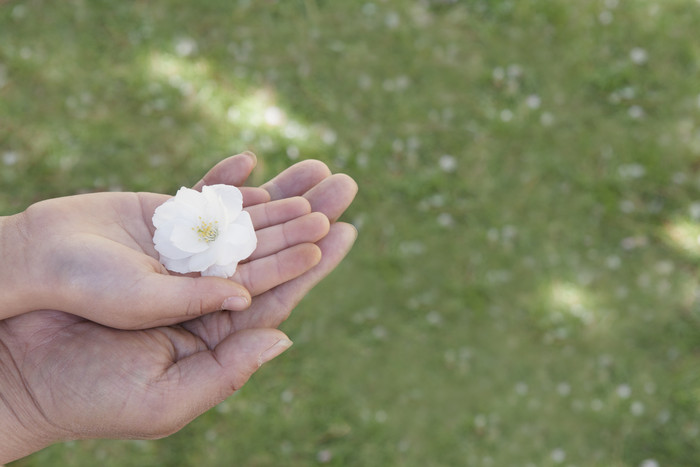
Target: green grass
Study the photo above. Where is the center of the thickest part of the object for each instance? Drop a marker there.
(524, 287)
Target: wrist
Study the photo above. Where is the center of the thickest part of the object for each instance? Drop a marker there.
(16, 296)
(23, 428)
(16, 441)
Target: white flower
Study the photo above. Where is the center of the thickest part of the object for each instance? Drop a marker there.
(205, 232)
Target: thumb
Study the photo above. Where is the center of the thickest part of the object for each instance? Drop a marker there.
(233, 170)
(162, 299)
(208, 377)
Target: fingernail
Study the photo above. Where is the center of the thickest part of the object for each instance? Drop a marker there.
(236, 303)
(249, 153)
(278, 347)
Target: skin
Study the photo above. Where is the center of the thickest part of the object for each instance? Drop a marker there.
(64, 377)
(93, 256)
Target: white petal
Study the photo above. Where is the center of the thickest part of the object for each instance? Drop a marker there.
(230, 196)
(221, 271)
(183, 206)
(244, 231)
(203, 260)
(165, 213)
(191, 198)
(225, 201)
(163, 245)
(167, 250)
(176, 265)
(239, 243)
(185, 238)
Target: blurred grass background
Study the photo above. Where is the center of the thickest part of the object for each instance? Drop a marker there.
(524, 290)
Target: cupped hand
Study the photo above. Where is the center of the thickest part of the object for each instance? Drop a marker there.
(327, 193)
(65, 378)
(92, 255)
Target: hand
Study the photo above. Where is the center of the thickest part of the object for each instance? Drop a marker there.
(62, 377)
(93, 256)
(327, 193)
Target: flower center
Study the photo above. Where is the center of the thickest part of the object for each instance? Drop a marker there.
(207, 231)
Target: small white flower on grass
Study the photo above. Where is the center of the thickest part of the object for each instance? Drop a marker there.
(613, 262)
(392, 20)
(3, 75)
(498, 74)
(636, 112)
(558, 456)
(328, 136)
(533, 101)
(10, 158)
(446, 220)
(434, 318)
(324, 456)
(547, 119)
(448, 163)
(605, 17)
(205, 231)
(639, 56)
(623, 391)
(631, 170)
(637, 408)
(596, 405)
(381, 416)
(185, 46)
(564, 389)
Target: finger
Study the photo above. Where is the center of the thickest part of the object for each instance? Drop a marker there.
(253, 195)
(161, 299)
(332, 196)
(233, 170)
(278, 212)
(265, 273)
(297, 179)
(202, 380)
(272, 308)
(305, 229)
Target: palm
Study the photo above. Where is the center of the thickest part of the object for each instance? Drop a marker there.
(112, 379)
(98, 251)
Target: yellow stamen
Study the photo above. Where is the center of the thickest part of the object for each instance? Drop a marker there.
(207, 231)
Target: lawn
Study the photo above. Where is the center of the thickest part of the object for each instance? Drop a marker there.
(524, 289)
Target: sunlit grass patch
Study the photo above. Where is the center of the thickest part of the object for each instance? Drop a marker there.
(569, 301)
(563, 310)
(683, 235)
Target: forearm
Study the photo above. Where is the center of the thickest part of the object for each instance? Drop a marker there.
(15, 285)
(22, 429)
(15, 441)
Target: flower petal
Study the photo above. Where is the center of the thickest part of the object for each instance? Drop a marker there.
(200, 261)
(176, 265)
(163, 245)
(217, 270)
(230, 196)
(165, 213)
(184, 236)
